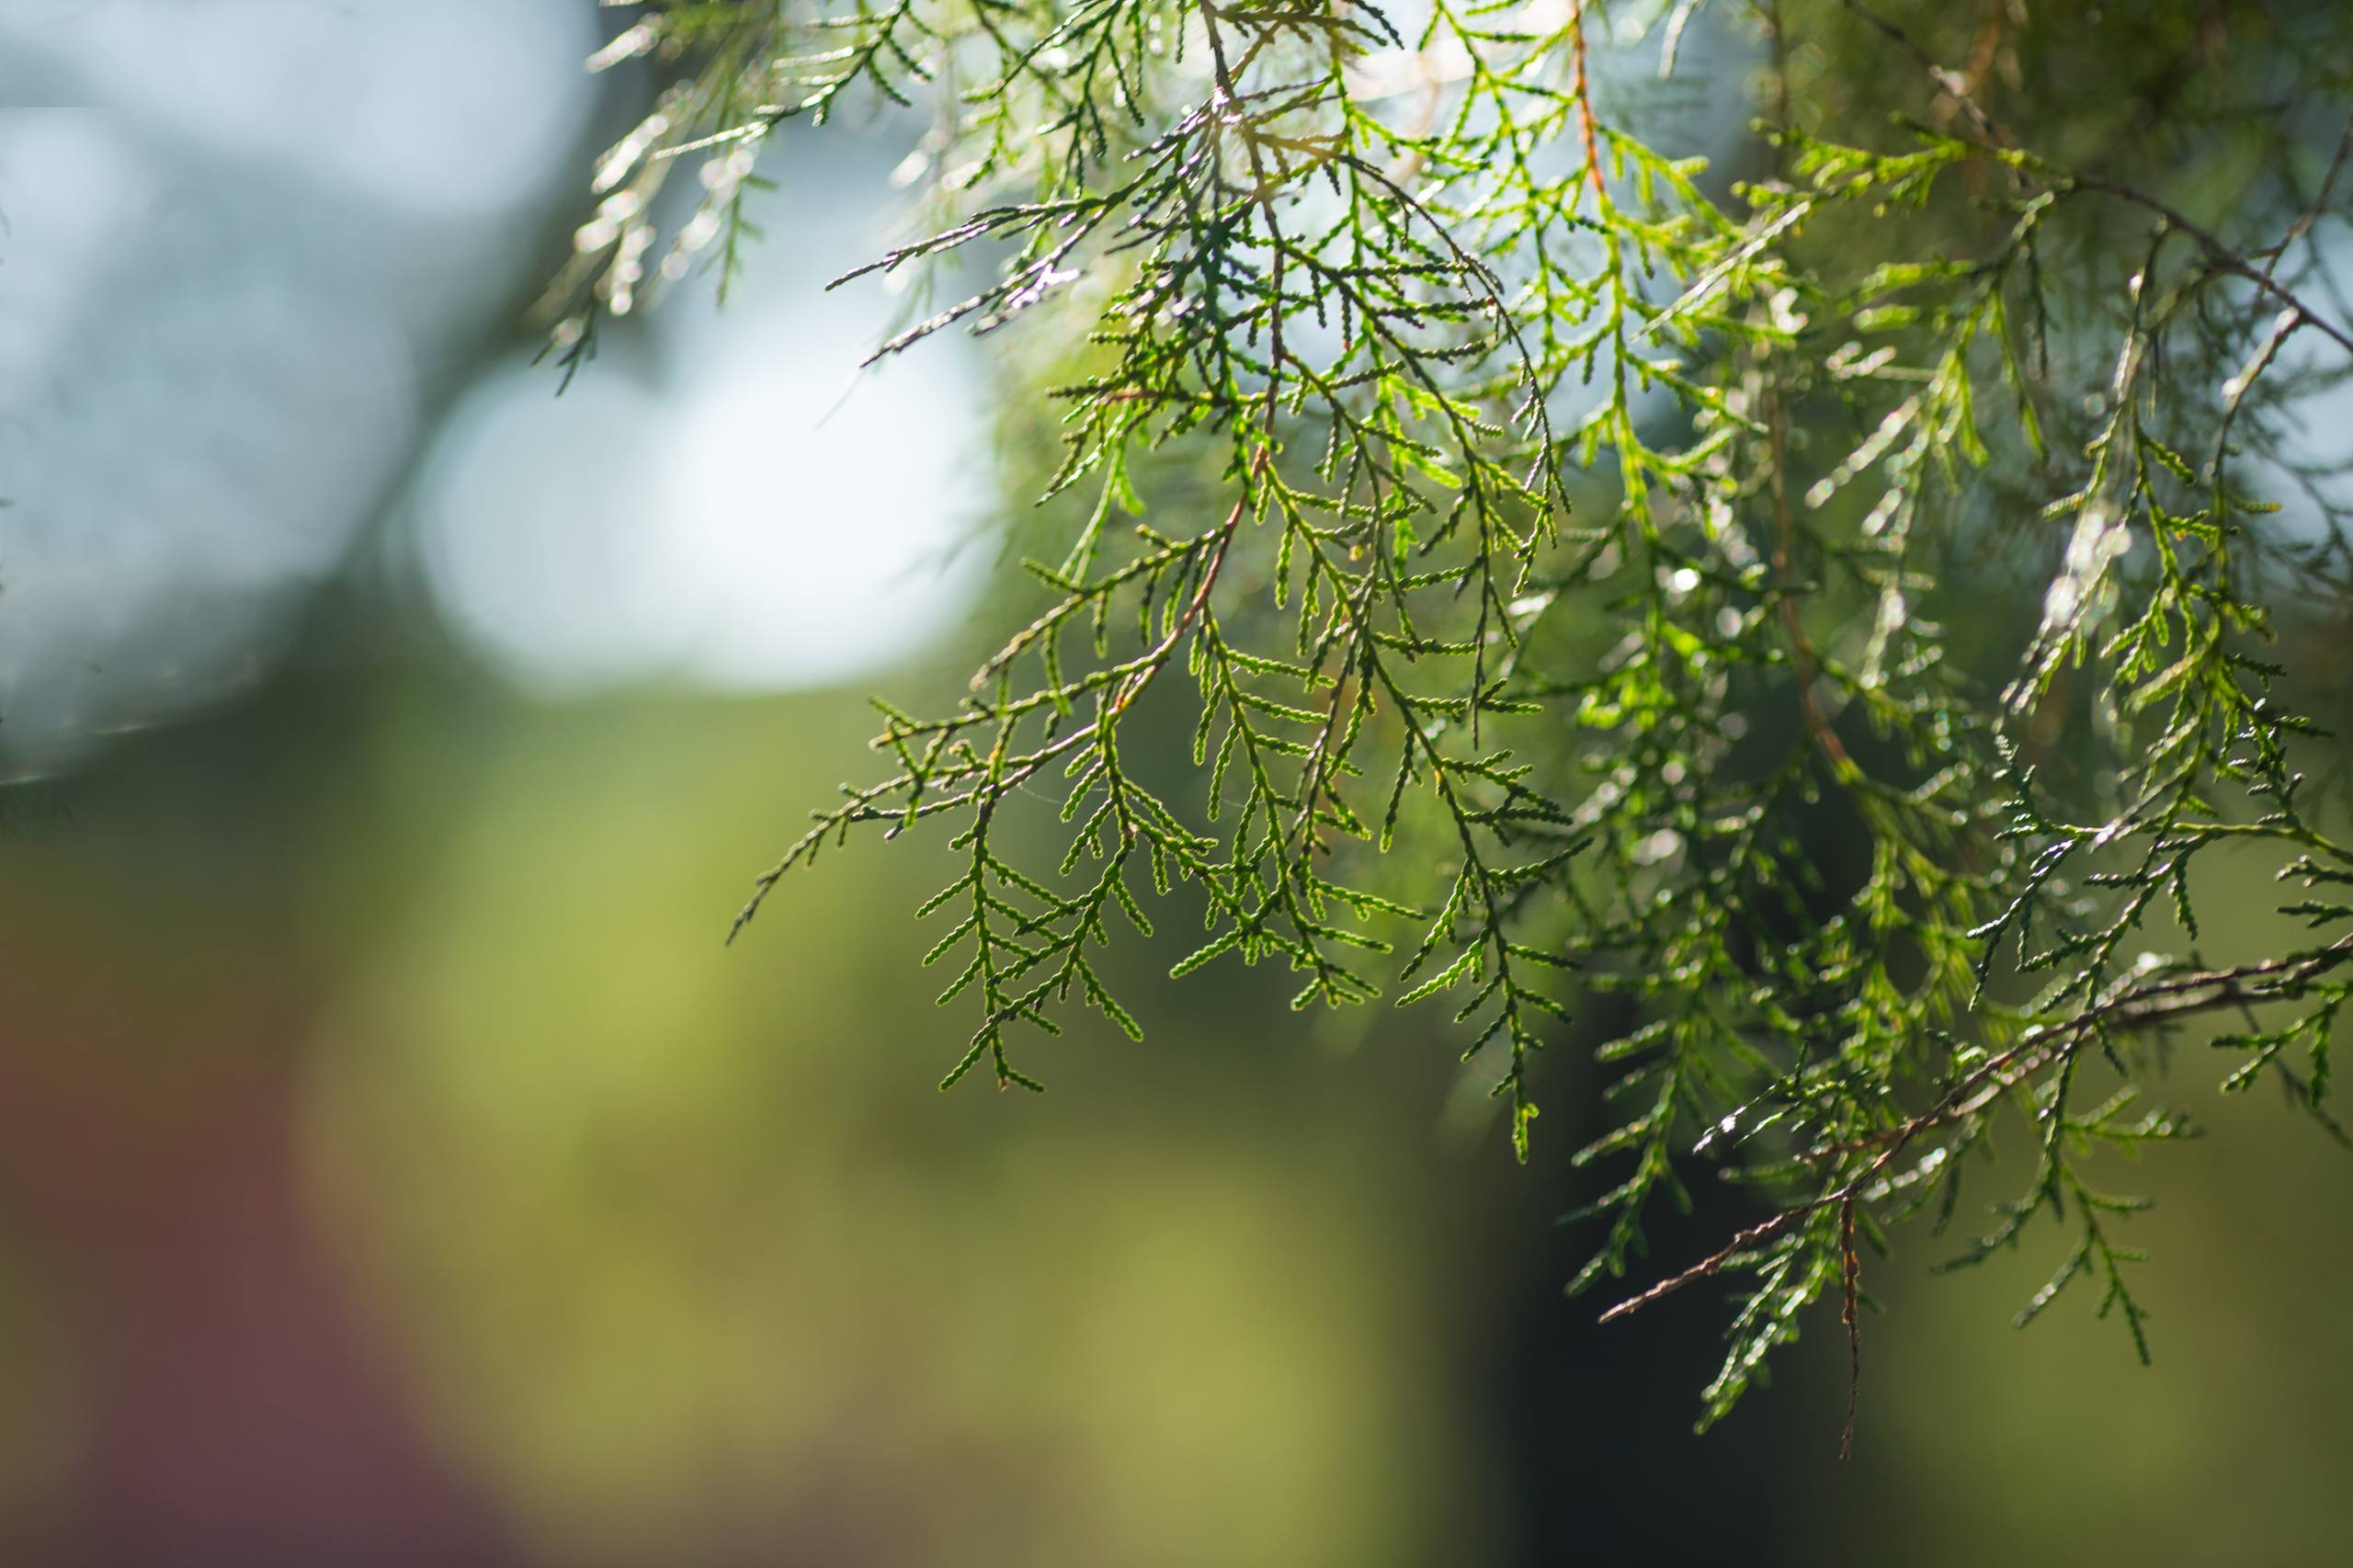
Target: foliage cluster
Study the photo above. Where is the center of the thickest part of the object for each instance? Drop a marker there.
(1624, 550)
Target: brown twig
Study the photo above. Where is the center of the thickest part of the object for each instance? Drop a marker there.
(1850, 1281)
(2220, 257)
(2158, 1002)
(1581, 90)
(1948, 82)
(1802, 654)
(2310, 215)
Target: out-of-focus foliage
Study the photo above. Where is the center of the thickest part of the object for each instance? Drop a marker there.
(820, 1267)
(671, 1258)
(1492, 470)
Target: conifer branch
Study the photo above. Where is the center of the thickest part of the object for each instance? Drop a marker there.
(1738, 771)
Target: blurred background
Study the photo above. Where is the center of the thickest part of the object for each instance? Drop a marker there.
(396, 1168)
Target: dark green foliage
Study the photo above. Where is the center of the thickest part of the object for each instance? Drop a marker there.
(1631, 555)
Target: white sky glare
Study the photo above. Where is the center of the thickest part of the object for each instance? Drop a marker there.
(733, 520)
(243, 241)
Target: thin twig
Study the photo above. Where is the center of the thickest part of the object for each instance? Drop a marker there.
(2136, 1008)
(2220, 257)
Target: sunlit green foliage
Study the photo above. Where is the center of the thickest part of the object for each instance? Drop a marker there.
(1601, 622)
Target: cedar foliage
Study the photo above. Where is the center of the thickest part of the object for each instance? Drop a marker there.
(1560, 544)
